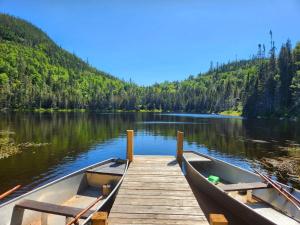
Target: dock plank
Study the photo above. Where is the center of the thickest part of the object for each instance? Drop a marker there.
(147, 216)
(155, 191)
(154, 221)
(155, 202)
(169, 210)
(152, 179)
(157, 186)
(157, 197)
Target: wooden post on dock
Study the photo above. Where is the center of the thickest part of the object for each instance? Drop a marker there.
(99, 218)
(130, 145)
(217, 219)
(179, 146)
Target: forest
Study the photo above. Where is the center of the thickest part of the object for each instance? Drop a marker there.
(37, 74)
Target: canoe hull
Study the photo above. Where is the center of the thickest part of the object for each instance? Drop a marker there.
(55, 192)
(224, 199)
(235, 175)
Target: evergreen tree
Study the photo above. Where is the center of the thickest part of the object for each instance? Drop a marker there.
(286, 73)
(295, 86)
(270, 84)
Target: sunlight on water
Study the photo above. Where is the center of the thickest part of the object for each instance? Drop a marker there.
(167, 122)
(209, 116)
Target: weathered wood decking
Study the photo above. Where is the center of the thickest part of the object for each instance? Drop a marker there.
(155, 191)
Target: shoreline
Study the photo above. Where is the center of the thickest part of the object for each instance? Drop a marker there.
(232, 113)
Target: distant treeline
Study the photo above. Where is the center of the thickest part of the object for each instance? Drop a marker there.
(263, 86)
(35, 73)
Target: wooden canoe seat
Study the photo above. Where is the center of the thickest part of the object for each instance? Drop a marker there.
(66, 211)
(243, 186)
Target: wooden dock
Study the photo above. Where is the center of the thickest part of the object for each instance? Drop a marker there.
(155, 191)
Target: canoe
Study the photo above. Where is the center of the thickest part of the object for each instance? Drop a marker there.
(61, 200)
(242, 192)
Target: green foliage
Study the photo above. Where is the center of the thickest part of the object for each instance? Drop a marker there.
(36, 74)
(216, 91)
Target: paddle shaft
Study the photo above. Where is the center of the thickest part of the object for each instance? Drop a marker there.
(285, 191)
(282, 189)
(77, 217)
(278, 188)
(2, 196)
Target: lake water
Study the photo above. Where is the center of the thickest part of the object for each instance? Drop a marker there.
(50, 145)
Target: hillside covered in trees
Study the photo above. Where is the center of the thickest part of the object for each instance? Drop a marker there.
(35, 73)
(263, 86)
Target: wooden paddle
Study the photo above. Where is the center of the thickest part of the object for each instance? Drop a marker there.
(77, 217)
(291, 198)
(295, 199)
(5, 194)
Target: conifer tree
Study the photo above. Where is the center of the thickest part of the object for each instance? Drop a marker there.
(286, 73)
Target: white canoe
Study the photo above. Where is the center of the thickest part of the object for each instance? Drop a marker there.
(62, 199)
(241, 191)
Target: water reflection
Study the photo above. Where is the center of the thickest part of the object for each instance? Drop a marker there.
(76, 140)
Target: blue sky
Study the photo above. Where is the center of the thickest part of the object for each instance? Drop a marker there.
(158, 40)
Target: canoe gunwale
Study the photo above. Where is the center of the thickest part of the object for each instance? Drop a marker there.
(111, 194)
(219, 160)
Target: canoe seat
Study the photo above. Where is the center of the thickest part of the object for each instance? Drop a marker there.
(243, 186)
(104, 173)
(112, 168)
(66, 211)
(193, 157)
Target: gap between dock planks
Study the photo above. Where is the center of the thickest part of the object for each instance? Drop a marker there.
(155, 191)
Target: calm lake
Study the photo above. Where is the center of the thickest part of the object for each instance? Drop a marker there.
(38, 148)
